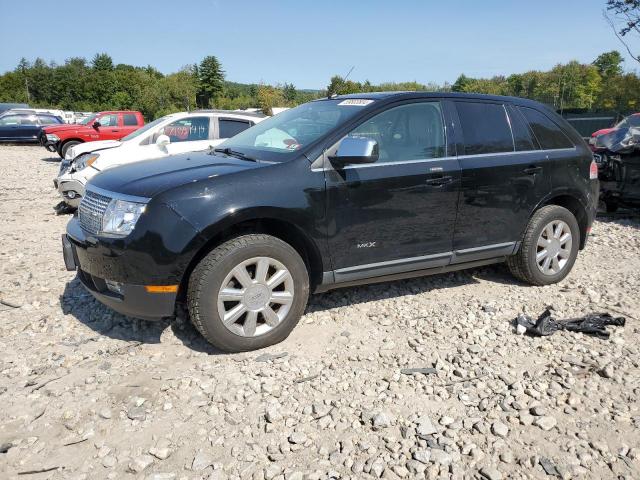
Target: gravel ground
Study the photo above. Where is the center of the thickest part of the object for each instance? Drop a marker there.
(88, 394)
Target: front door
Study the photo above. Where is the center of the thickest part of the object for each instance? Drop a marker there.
(397, 214)
(110, 127)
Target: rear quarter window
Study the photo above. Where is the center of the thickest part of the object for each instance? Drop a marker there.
(230, 128)
(485, 128)
(130, 119)
(549, 135)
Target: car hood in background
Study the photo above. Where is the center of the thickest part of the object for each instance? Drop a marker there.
(92, 147)
(68, 128)
(151, 177)
(602, 132)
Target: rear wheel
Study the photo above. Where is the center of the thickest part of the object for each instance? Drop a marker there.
(66, 146)
(549, 247)
(248, 293)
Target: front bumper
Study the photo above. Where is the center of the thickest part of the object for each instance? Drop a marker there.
(131, 300)
(51, 146)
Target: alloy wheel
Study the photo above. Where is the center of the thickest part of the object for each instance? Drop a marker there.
(554, 247)
(255, 296)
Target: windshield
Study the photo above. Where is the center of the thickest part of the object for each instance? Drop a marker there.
(146, 128)
(291, 130)
(89, 119)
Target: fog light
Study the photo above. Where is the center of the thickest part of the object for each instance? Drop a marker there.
(115, 287)
(71, 194)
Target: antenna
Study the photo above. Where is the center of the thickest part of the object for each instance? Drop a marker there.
(349, 73)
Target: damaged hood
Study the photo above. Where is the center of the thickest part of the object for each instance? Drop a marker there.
(151, 177)
(622, 140)
(93, 147)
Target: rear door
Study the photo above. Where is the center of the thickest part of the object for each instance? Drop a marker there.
(397, 214)
(130, 123)
(504, 176)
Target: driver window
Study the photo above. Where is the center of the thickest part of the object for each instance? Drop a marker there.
(413, 131)
(187, 130)
(108, 121)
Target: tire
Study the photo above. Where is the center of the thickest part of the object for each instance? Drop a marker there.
(524, 264)
(205, 290)
(66, 146)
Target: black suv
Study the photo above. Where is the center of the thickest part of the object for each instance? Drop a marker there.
(336, 192)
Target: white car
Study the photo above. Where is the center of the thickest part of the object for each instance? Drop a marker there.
(169, 135)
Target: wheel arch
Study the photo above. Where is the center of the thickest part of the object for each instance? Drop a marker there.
(284, 229)
(572, 203)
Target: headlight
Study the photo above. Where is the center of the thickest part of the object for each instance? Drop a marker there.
(120, 217)
(51, 137)
(85, 161)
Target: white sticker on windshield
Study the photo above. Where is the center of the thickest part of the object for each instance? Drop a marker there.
(356, 102)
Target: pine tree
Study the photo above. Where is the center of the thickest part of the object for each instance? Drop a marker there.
(211, 81)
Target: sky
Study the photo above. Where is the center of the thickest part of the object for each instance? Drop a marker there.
(306, 42)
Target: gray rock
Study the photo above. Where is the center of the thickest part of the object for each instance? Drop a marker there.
(381, 420)
(490, 473)
(500, 429)
(545, 423)
(139, 463)
(440, 457)
(297, 438)
(201, 461)
(422, 456)
(425, 427)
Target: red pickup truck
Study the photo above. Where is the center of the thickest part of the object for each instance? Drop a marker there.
(99, 126)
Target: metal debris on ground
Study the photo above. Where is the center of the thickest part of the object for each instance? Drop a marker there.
(413, 371)
(592, 324)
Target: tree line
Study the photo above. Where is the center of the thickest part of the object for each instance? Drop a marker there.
(80, 85)
(600, 85)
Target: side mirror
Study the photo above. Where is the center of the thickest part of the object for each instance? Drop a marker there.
(163, 140)
(355, 150)
(96, 124)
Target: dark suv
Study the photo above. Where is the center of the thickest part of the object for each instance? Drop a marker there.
(336, 192)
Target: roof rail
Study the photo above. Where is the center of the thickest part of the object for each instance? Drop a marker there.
(239, 112)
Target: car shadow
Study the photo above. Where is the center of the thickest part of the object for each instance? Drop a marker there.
(77, 301)
(625, 217)
(399, 288)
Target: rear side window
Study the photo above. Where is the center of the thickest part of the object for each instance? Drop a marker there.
(548, 134)
(485, 128)
(521, 133)
(130, 119)
(229, 128)
(48, 120)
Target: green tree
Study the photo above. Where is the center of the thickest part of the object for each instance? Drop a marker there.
(609, 64)
(289, 91)
(102, 62)
(211, 78)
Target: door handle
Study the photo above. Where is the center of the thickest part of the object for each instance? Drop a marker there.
(439, 180)
(532, 170)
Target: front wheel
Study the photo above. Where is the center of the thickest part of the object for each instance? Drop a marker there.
(248, 293)
(549, 247)
(67, 146)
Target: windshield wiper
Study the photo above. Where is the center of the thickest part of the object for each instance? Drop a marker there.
(233, 153)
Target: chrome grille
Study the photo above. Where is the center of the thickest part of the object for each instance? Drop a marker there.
(92, 207)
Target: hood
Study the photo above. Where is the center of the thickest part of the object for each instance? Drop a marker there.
(621, 140)
(65, 128)
(87, 147)
(151, 177)
(602, 131)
